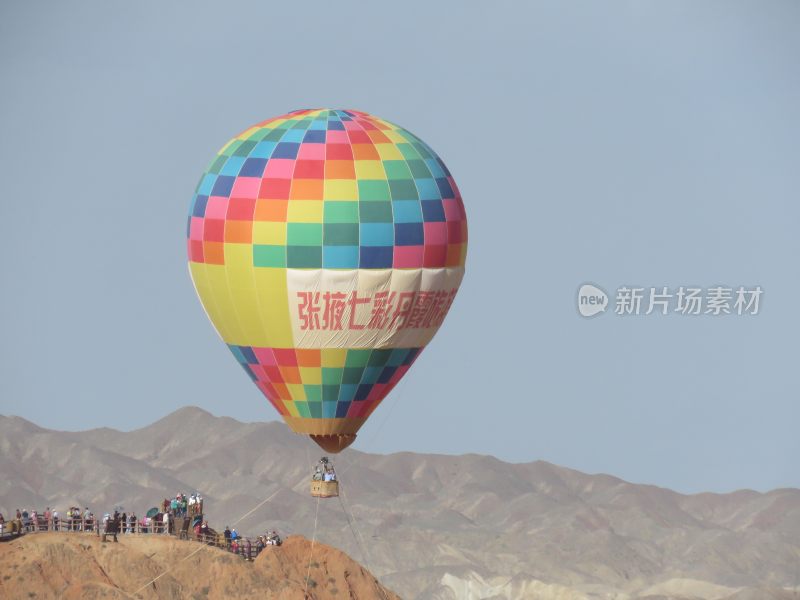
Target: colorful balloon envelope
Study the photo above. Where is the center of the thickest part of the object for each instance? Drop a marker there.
(327, 247)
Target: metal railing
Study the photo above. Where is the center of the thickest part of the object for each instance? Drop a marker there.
(248, 548)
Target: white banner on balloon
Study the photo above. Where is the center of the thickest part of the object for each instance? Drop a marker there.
(369, 308)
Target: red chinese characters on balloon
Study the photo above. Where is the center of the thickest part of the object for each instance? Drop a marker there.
(328, 311)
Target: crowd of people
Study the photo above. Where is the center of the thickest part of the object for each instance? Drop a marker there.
(179, 516)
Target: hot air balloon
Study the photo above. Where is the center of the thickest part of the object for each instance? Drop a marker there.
(326, 247)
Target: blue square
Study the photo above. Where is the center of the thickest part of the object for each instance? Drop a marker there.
(347, 392)
(397, 357)
(376, 257)
(428, 190)
(407, 211)
(232, 166)
(341, 409)
(199, 208)
(335, 125)
(340, 257)
(248, 354)
(329, 409)
(409, 234)
(432, 211)
(386, 374)
(237, 353)
(445, 188)
(314, 136)
(412, 354)
(435, 167)
(370, 375)
(443, 166)
(363, 391)
(286, 150)
(207, 184)
(263, 150)
(294, 135)
(319, 124)
(253, 167)
(376, 234)
(223, 186)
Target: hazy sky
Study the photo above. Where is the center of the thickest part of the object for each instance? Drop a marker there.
(623, 143)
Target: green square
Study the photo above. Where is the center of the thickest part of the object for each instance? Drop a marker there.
(423, 151)
(302, 124)
(304, 234)
(403, 189)
(304, 257)
(332, 376)
(330, 392)
(352, 375)
(245, 148)
(217, 165)
(316, 409)
(379, 357)
(419, 169)
(357, 358)
(373, 189)
(375, 212)
(274, 135)
(408, 151)
(269, 256)
(313, 392)
(302, 408)
(341, 234)
(341, 212)
(396, 169)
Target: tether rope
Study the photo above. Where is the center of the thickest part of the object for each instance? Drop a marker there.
(247, 514)
(311, 551)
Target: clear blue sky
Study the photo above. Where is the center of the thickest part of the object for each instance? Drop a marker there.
(638, 143)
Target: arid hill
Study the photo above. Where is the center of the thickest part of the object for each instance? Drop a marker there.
(76, 566)
(431, 527)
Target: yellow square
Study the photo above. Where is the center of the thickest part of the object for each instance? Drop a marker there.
(297, 391)
(395, 136)
(389, 152)
(334, 357)
(238, 256)
(304, 211)
(311, 375)
(291, 408)
(341, 189)
(268, 233)
(370, 169)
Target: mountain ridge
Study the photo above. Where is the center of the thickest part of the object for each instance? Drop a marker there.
(429, 521)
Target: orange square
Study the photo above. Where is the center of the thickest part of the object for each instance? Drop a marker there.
(309, 358)
(240, 232)
(453, 255)
(340, 169)
(283, 391)
(378, 138)
(291, 374)
(307, 189)
(271, 210)
(365, 152)
(214, 253)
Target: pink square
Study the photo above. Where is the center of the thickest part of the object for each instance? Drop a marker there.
(216, 208)
(337, 137)
(279, 168)
(377, 393)
(452, 211)
(196, 229)
(407, 257)
(265, 356)
(246, 187)
(435, 234)
(454, 186)
(352, 126)
(312, 151)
